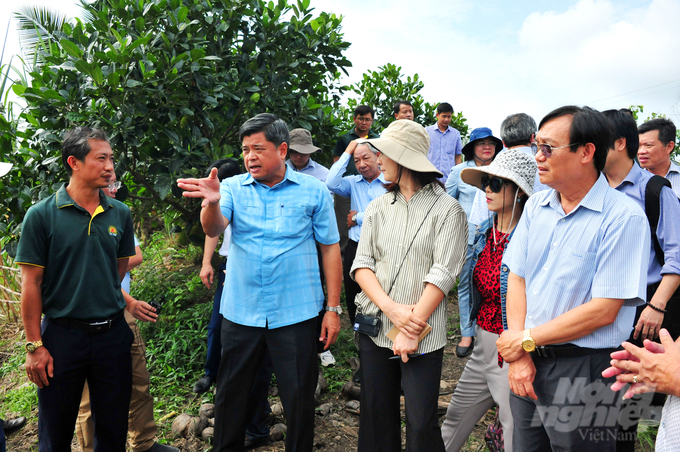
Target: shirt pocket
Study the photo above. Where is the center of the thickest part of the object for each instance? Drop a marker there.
(574, 270)
(292, 220)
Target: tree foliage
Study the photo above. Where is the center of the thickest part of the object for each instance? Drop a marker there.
(171, 81)
(381, 89)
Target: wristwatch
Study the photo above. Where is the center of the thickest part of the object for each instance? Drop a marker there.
(528, 343)
(336, 309)
(33, 346)
(354, 218)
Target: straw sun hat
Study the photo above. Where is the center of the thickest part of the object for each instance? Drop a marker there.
(407, 143)
(514, 165)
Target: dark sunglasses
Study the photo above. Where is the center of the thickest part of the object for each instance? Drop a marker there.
(494, 183)
(547, 150)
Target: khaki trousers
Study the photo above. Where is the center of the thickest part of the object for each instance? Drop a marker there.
(141, 424)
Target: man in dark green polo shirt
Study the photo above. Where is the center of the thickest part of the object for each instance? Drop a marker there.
(363, 119)
(73, 252)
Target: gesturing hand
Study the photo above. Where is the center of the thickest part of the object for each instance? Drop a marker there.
(652, 368)
(207, 188)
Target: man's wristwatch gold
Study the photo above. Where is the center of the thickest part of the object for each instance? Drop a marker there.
(528, 343)
(33, 346)
(336, 309)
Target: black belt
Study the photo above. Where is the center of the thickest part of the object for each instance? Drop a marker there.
(91, 326)
(566, 351)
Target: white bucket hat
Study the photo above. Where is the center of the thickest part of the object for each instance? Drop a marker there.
(514, 165)
(4, 168)
(407, 143)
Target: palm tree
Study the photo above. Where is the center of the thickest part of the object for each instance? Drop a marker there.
(38, 27)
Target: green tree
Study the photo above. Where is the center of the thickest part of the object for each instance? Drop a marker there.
(381, 89)
(171, 81)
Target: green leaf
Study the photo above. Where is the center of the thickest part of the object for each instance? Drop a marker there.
(71, 48)
(139, 25)
(132, 83)
(18, 89)
(30, 118)
(83, 66)
(182, 14)
(114, 79)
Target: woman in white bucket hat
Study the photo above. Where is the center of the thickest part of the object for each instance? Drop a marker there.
(508, 182)
(411, 250)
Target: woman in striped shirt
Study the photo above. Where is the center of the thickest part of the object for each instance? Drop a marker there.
(412, 248)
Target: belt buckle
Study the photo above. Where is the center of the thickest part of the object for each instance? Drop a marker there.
(100, 325)
(541, 351)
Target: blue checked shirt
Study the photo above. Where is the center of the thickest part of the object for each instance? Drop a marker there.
(599, 250)
(444, 147)
(673, 175)
(272, 276)
(355, 187)
(668, 229)
(312, 169)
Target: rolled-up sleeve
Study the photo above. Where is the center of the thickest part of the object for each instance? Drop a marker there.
(450, 247)
(365, 257)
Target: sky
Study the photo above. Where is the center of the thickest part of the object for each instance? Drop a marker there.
(493, 58)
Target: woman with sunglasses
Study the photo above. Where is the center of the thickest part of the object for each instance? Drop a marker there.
(508, 182)
(411, 249)
(480, 151)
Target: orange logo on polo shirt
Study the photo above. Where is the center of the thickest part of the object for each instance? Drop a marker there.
(113, 231)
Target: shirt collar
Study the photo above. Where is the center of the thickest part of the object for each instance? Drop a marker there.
(633, 176)
(674, 168)
(293, 176)
(436, 127)
(310, 164)
(63, 199)
(593, 200)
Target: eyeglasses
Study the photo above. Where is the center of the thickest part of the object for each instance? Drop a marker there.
(494, 183)
(115, 186)
(363, 119)
(547, 150)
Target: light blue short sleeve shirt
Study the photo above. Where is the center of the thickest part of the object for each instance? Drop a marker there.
(599, 250)
(272, 277)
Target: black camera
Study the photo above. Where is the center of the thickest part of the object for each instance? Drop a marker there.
(157, 306)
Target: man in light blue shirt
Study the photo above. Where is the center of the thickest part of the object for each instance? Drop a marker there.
(663, 270)
(361, 189)
(300, 152)
(657, 141)
(578, 268)
(272, 279)
(445, 144)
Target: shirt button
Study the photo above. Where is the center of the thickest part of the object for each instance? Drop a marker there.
(562, 220)
(530, 317)
(555, 244)
(535, 292)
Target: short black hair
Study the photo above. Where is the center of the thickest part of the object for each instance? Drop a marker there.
(665, 127)
(225, 168)
(587, 126)
(364, 110)
(444, 107)
(76, 144)
(275, 130)
(625, 127)
(397, 106)
(517, 129)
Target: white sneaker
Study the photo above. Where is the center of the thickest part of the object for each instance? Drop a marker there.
(327, 358)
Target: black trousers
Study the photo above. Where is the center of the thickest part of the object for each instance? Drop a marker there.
(380, 419)
(296, 365)
(576, 410)
(103, 359)
(351, 286)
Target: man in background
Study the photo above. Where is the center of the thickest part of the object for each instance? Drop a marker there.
(403, 110)
(657, 141)
(445, 144)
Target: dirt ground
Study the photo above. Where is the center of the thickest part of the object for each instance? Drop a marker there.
(336, 431)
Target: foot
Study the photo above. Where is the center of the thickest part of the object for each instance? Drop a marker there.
(357, 376)
(162, 448)
(203, 384)
(327, 358)
(253, 443)
(463, 351)
(13, 425)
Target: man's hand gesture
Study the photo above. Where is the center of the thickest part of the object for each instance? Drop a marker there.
(207, 188)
